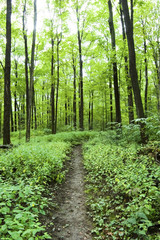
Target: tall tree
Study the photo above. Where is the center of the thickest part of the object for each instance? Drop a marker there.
(146, 67)
(80, 37)
(26, 75)
(32, 100)
(128, 81)
(133, 70)
(115, 74)
(7, 93)
(74, 91)
(29, 86)
(59, 39)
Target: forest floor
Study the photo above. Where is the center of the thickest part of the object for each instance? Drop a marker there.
(70, 220)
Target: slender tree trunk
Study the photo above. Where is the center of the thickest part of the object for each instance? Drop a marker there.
(156, 57)
(52, 87)
(129, 85)
(89, 113)
(81, 110)
(92, 109)
(115, 75)
(57, 87)
(111, 100)
(48, 111)
(35, 115)
(15, 97)
(133, 70)
(32, 61)
(90, 117)
(69, 111)
(26, 76)
(23, 119)
(74, 94)
(7, 93)
(146, 77)
(0, 119)
(106, 113)
(66, 104)
(12, 122)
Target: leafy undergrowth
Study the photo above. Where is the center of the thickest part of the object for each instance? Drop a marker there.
(123, 189)
(26, 173)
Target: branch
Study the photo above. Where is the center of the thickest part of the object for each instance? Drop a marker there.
(2, 65)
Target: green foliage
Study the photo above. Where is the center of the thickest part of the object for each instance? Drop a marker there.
(34, 161)
(25, 172)
(122, 185)
(20, 205)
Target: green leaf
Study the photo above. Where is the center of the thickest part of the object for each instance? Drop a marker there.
(15, 235)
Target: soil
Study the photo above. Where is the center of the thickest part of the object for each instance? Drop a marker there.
(70, 220)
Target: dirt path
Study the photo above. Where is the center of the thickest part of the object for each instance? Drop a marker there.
(70, 220)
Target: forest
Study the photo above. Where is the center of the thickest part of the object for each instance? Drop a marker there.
(80, 84)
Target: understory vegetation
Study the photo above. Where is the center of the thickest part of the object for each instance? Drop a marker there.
(122, 185)
(122, 182)
(26, 171)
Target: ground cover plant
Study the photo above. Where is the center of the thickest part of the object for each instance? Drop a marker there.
(122, 185)
(26, 172)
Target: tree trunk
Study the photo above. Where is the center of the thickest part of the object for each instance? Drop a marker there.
(115, 75)
(74, 94)
(15, 97)
(7, 93)
(57, 87)
(52, 88)
(32, 61)
(26, 76)
(12, 122)
(0, 119)
(81, 116)
(133, 70)
(146, 77)
(66, 104)
(111, 100)
(90, 117)
(129, 85)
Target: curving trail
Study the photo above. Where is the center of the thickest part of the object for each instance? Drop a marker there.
(70, 220)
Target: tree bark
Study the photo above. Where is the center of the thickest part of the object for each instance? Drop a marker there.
(26, 76)
(115, 75)
(12, 122)
(90, 117)
(74, 93)
(128, 81)
(15, 97)
(81, 109)
(32, 61)
(133, 70)
(146, 77)
(52, 86)
(57, 87)
(111, 100)
(7, 93)
(66, 104)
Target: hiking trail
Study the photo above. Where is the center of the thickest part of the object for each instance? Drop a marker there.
(70, 219)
